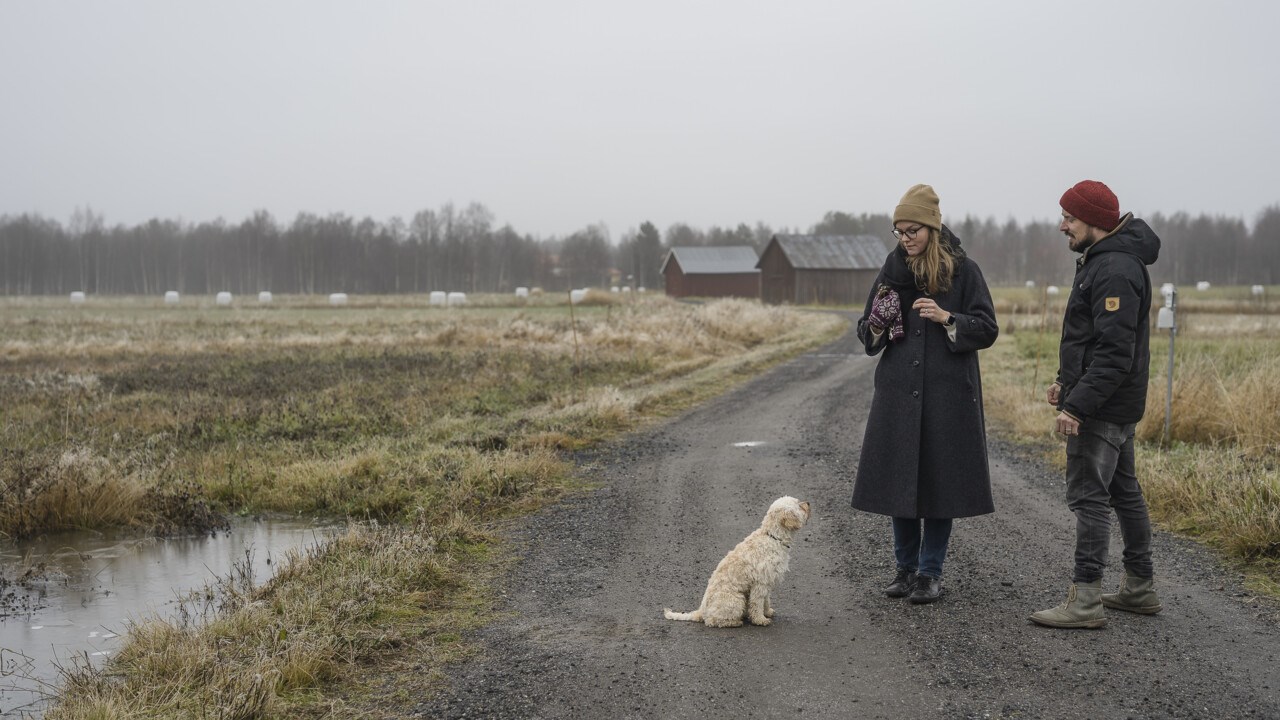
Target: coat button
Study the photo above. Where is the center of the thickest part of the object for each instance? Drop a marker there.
(915, 393)
(917, 332)
(914, 363)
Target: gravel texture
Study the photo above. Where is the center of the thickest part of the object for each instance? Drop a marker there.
(583, 634)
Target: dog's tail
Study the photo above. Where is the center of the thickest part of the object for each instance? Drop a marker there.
(695, 616)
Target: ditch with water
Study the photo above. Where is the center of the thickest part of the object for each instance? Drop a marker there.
(71, 596)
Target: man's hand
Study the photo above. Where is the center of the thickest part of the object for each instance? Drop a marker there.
(1067, 425)
(1053, 394)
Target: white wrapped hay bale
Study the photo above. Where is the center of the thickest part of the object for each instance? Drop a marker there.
(438, 297)
(614, 289)
(77, 297)
(1052, 289)
(337, 299)
(457, 298)
(223, 299)
(1202, 285)
(264, 297)
(1258, 290)
(171, 297)
(522, 292)
(576, 296)
(1031, 283)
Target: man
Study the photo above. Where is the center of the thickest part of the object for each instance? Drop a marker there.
(1101, 393)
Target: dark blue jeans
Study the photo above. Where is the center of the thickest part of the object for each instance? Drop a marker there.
(921, 552)
(1100, 476)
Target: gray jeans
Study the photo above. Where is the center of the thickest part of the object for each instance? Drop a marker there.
(1100, 476)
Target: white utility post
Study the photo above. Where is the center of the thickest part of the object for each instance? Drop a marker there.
(1167, 318)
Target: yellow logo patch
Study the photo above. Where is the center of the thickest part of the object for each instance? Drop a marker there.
(1113, 304)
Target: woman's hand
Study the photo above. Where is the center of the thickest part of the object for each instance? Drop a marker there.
(885, 308)
(929, 310)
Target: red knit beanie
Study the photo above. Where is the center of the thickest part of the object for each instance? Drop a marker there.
(1092, 202)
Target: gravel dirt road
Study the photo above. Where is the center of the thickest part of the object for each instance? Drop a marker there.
(583, 634)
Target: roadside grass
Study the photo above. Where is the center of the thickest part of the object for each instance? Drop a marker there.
(271, 651)
(1217, 476)
(280, 411)
(421, 425)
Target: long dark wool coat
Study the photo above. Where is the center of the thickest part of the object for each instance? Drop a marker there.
(924, 454)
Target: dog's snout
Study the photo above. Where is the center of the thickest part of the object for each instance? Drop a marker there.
(805, 507)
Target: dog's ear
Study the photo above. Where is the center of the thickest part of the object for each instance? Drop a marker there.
(791, 521)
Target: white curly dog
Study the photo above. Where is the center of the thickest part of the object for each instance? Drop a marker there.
(742, 582)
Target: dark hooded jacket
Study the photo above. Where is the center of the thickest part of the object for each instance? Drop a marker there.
(924, 453)
(1105, 356)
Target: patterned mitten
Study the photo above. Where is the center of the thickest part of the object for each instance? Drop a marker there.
(885, 308)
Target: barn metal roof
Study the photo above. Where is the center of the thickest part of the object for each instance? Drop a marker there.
(713, 260)
(833, 252)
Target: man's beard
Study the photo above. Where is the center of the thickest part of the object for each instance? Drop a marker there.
(1079, 245)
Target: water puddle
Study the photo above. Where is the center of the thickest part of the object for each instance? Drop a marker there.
(749, 443)
(73, 594)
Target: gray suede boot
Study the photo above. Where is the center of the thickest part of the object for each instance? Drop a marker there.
(1137, 594)
(1083, 609)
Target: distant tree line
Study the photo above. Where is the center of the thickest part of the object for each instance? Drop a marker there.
(1218, 249)
(461, 250)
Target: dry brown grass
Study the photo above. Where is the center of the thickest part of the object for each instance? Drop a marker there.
(1230, 498)
(349, 411)
(370, 592)
(1220, 397)
(1218, 476)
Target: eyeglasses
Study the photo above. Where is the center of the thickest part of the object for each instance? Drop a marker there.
(909, 232)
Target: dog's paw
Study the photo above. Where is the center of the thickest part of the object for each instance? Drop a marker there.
(761, 621)
(768, 613)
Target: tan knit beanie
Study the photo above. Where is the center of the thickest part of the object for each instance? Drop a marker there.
(919, 205)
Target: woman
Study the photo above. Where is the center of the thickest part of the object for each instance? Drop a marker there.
(924, 454)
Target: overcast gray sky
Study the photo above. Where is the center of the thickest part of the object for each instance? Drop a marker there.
(558, 114)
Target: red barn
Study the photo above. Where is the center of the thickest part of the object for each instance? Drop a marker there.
(716, 271)
(820, 269)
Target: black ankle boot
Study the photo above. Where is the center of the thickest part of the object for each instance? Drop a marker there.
(902, 584)
(927, 589)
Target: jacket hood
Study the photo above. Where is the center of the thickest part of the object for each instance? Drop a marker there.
(900, 277)
(1131, 236)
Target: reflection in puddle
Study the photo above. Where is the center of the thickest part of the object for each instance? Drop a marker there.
(749, 443)
(72, 594)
